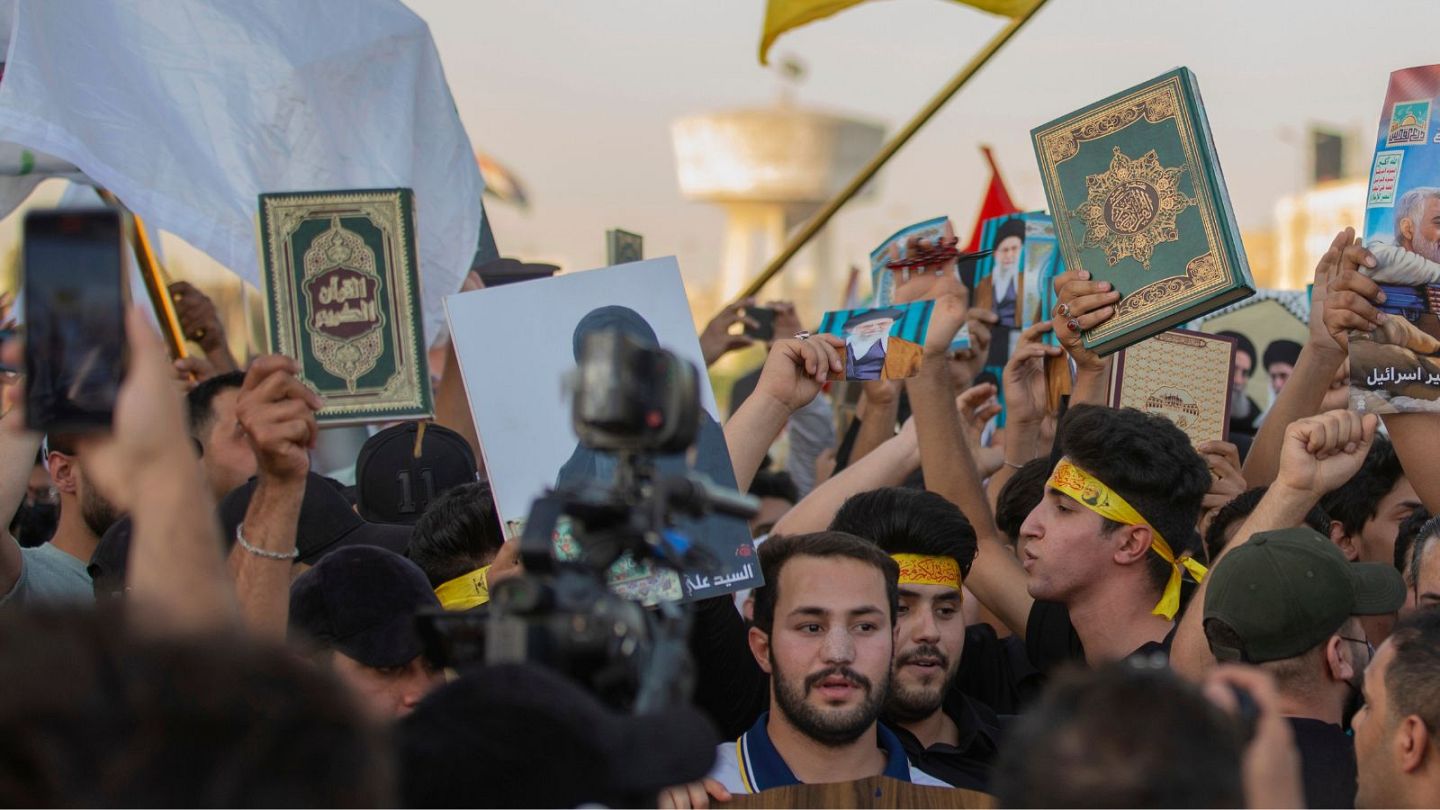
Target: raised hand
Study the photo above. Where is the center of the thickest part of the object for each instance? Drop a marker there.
(946, 318)
(1084, 304)
(1024, 376)
(277, 412)
(797, 369)
(1352, 298)
(1322, 452)
(716, 340)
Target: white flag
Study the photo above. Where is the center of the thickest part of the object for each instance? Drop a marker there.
(189, 109)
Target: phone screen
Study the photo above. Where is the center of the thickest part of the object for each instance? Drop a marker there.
(765, 318)
(74, 318)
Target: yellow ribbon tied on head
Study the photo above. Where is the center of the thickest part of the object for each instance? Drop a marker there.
(465, 591)
(924, 569)
(1093, 494)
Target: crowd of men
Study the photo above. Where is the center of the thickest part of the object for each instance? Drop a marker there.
(1081, 609)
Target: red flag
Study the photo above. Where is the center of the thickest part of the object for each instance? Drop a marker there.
(997, 201)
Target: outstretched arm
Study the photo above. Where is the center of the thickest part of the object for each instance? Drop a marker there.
(1320, 454)
(1314, 369)
(177, 579)
(792, 376)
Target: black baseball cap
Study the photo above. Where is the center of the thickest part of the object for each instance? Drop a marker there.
(394, 485)
(521, 735)
(1285, 592)
(327, 522)
(362, 601)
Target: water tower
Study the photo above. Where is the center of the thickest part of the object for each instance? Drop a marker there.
(770, 168)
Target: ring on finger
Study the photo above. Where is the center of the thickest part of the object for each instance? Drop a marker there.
(1073, 325)
(802, 335)
(1064, 310)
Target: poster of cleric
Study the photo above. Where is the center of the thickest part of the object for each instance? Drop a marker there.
(1396, 369)
(514, 373)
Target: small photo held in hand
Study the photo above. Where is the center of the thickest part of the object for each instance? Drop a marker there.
(882, 343)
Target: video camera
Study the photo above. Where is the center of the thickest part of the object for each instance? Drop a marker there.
(632, 402)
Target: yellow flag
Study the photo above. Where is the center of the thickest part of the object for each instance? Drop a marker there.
(782, 15)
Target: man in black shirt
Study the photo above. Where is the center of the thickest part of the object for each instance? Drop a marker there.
(1287, 600)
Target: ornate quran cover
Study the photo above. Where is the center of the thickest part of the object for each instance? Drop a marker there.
(1396, 368)
(1138, 199)
(342, 295)
(1181, 375)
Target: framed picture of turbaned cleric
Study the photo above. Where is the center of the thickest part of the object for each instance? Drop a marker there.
(342, 296)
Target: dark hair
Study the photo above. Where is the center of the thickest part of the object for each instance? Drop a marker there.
(1240, 508)
(775, 484)
(909, 521)
(1120, 736)
(1149, 462)
(1357, 500)
(1242, 344)
(1406, 535)
(1281, 351)
(779, 549)
(1423, 538)
(96, 715)
(201, 399)
(1410, 682)
(458, 533)
(1020, 495)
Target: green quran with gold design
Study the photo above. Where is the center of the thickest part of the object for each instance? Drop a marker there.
(342, 296)
(1138, 199)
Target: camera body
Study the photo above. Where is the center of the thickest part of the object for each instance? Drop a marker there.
(633, 402)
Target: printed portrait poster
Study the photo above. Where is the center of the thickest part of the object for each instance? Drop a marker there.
(1397, 368)
(517, 343)
(881, 343)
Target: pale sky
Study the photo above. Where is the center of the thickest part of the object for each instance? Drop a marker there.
(577, 97)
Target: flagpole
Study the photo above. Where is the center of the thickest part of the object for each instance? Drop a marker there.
(823, 216)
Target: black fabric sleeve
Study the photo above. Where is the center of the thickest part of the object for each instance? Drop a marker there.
(729, 686)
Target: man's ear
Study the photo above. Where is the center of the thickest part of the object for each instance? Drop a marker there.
(64, 473)
(1412, 743)
(760, 648)
(1338, 665)
(1132, 544)
(1345, 542)
(1407, 228)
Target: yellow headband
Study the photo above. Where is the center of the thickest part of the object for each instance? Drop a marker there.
(465, 591)
(922, 569)
(1092, 493)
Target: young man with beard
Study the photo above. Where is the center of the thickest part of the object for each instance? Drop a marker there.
(825, 633)
(946, 733)
(55, 571)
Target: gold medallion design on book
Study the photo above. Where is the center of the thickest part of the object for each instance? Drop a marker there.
(1132, 207)
(342, 288)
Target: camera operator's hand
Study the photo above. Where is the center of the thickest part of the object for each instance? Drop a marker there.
(797, 369)
(696, 795)
(277, 412)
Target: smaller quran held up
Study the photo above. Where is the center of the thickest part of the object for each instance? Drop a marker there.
(342, 296)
